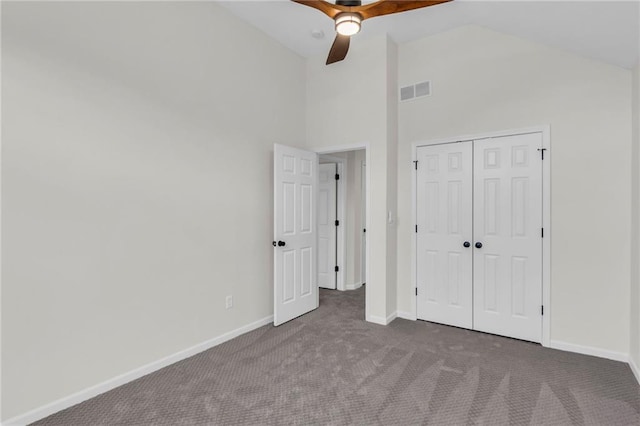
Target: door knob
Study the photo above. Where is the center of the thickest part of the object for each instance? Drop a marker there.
(281, 244)
(467, 244)
(275, 244)
(478, 244)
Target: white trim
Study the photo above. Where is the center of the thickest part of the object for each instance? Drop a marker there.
(407, 315)
(95, 390)
(363, 220)
(499, 133)
(545, 130)
(353, 286)
(414, 235)
(376, 320)
(342, 217)
(546, 241)
(382, 321)
(588, 350)
(634, 368)
(355, 147)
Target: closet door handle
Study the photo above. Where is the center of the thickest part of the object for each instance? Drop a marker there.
(478, 244)
(467, 244)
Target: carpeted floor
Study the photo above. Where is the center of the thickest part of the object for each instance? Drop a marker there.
(332, 367)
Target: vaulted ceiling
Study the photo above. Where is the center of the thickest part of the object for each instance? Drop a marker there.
(608, 31)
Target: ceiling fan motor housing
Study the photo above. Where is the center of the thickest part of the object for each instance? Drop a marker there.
(349, 3)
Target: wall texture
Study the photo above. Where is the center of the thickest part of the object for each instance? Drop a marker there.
(136, 185)
(485, 81)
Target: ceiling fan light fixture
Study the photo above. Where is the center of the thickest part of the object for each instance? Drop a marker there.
(348, 24)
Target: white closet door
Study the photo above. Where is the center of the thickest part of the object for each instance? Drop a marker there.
(444, 212)
(508, 225)
(327, 226)
(295, 233)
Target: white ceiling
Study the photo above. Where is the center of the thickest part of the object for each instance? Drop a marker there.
(608, 31)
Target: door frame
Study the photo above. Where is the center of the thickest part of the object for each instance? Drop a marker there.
(367, 155)
(545, 131)
(341, 200)
(363, 221)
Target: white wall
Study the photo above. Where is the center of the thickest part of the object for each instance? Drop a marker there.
(485, 81)
(346, 104)
(635, 223)
(392, 175)
(136, 185)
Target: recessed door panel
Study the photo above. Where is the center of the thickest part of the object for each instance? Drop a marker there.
(444, 212)
(507, 222)
(306, 270)
(306, 206)
(288, 276)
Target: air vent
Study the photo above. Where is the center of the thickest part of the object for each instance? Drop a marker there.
(423, 89)
(407, 93)
(418, 90)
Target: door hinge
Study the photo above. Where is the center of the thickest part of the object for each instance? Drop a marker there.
(542, 232)
(416, 291)
(337, 176)
(337, 268)
(415, 164)
(416, 229)
(542, 310)
(337, 223)
(542, 150)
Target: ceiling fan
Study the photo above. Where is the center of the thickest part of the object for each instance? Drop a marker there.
(349, 14)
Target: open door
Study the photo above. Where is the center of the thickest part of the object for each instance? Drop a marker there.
(295, 287)
(327, 225)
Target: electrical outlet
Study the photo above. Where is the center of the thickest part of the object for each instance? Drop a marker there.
(229, 302)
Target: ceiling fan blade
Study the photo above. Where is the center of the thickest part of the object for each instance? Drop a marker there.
(329, 9)
(339, 49)
(387, 7)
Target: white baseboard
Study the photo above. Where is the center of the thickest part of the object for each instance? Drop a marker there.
(381, 320)
(588, 350)
(90, 392)
(377, 320)
(634, 368)
(407, 315)
(353, 286)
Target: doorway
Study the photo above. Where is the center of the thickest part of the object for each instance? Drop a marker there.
(480, 234)
(341, 219)
(296, 189)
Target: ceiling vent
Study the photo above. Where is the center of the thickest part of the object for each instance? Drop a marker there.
(418, 90)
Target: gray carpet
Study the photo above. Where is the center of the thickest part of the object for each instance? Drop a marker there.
(332, 367)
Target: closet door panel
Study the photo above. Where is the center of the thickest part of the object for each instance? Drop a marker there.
(444, 219)
(508, 224)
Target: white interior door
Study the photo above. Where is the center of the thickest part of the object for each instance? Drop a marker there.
(326, 226)
(444, 212)
(295, 234)
(508, 225)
